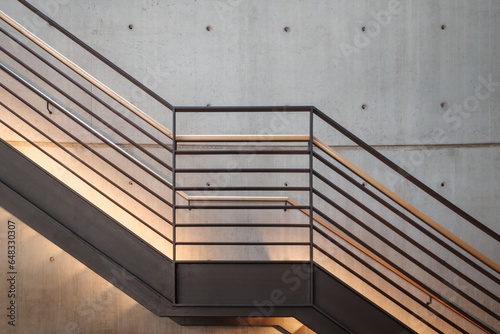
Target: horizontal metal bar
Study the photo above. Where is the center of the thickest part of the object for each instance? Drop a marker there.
(86, 126)
(420, 247)
(241, 138)
(242, 170)
(265, 109)
(240, 305)
(242, 188)
(400, 214)
(245, 225)
(242, 243)
(242, 152)
(242, 207)
(236, 198)
(240, 261)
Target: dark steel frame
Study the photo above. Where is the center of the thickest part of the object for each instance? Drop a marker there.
(312, 151)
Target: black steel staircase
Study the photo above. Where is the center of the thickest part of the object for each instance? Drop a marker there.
(318, 250)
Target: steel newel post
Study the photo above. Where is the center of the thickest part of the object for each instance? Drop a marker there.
(311, 207)
(174, 204)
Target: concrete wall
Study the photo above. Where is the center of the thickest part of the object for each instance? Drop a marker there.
(421, 84)
(56, 294)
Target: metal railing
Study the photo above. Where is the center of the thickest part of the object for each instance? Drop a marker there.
(323, 154)
(319, 223)
(102, 126)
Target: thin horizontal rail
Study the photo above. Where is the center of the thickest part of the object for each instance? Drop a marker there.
(28, 34)
(368, 250)
(241, 261)
(88, 92)
(242, 138)
(260, 243)
(407, 175)
(410, 208)
(245, 225)
(237, 198)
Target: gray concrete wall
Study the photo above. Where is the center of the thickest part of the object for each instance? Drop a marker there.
(420, 83)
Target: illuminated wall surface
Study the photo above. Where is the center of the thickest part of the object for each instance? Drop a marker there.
(54, 293)
(418, 80)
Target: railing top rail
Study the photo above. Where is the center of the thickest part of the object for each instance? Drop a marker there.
(77, 84)
(97, 55)
(263, 109)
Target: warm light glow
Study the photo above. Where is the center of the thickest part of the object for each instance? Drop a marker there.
(93, 196)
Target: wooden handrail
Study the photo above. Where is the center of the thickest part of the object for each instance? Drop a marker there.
(410, 208)
(28, 34)
(394, 270)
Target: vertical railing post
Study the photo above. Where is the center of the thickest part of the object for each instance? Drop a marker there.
(174, 205)
(311, 207)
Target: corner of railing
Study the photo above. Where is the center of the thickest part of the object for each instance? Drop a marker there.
(311, 206)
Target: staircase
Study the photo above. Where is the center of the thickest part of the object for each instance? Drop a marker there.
(335, 249)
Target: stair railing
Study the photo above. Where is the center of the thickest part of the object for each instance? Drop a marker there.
(315, 149)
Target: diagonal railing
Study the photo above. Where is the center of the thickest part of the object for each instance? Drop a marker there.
(319, 226)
